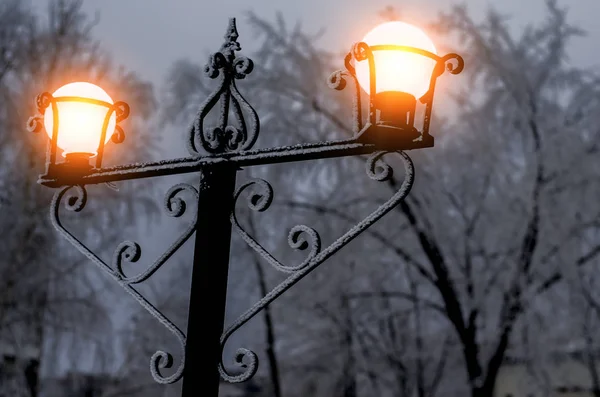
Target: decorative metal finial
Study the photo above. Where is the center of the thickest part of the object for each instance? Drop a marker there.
(231, 134)
(231, 44)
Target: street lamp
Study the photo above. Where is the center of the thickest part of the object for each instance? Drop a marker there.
(396, 64)
(80, 118)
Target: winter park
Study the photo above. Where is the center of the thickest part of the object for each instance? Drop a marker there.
(268, 198)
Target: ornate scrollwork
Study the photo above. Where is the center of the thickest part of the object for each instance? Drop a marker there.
(225, 137)
(131, 252)
(454, 63)
(337, 81)
(122, 111)
(260, 200)
(42, 102)
(361, 51)
(35, 124)
(377, 169)
(119, 135)
(243, 66)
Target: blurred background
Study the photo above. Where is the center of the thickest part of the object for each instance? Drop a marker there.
(482, 283)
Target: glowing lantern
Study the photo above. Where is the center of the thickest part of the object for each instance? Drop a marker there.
(85, 114)
(396, 64)
(396, 70)
(79, 118)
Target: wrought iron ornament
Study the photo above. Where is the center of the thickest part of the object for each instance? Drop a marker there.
(225, 136)
(259, 199)
(131, 252)
(229, 144)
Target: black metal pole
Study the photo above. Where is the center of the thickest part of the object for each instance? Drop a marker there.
(209, 282)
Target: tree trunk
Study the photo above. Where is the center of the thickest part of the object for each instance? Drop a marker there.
(349, 374)
(482, 392)
(32, 377)
(268, 321)
(271, 354)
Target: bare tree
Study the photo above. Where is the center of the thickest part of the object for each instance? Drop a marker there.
(46, 290)
(499, 211)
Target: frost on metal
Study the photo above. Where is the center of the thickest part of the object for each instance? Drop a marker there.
(228, 143)
(131, 252)
(302, 237)
(225, 136)
(282, 154)
(259, 194)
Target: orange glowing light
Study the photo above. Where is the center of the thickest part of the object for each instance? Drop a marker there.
(398, 70)
(80, 123)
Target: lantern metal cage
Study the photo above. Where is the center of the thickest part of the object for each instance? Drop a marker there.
(391, 119)
(75, 164)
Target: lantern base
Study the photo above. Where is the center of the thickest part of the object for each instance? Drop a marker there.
(75, 166)
(394, 138)
(394, 127)
(396, 109)
(78, 160)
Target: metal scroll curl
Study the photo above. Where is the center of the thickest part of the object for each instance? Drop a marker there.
(226, 137)
(338, 80)
(131, 252)
(260, 200)
(122, 111)
(42, 102)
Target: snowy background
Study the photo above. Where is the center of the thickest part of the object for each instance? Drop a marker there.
(478, 285)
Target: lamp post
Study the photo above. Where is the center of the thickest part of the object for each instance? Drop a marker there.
(396, 64)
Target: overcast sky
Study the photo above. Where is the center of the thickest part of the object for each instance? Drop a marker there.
(148, 35)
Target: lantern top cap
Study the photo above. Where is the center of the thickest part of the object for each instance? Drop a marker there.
(83, 89)
(401, 34)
